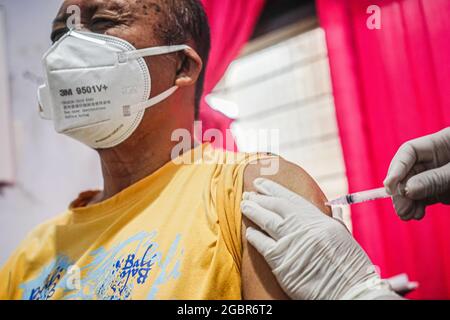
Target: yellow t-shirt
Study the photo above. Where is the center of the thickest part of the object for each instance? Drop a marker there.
(174, 235)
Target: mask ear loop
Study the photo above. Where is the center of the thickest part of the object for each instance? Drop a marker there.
(123, 57)
(155, 51)
(129, 110)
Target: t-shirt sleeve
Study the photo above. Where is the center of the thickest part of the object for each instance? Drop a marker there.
(9, 272)
(230, 189)
(17, 265)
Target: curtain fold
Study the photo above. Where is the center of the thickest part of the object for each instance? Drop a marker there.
(392, 85)
(232, 23)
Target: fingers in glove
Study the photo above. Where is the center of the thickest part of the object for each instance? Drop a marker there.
(262, 243)
(420, 211)
(408, 209)
(429, 184)
(269, 188)
(267, 220)
(403, 161)
(280, 206)
(414, 152)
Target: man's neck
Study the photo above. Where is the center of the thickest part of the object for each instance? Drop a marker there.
(131, 162)
(121, 171)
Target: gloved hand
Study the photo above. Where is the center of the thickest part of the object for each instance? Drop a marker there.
(419, 175)
(312, 255)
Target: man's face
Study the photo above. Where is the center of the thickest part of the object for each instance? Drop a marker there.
(135, 21)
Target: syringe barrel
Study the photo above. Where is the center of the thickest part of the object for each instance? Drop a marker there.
(359, 197)
(368, 195)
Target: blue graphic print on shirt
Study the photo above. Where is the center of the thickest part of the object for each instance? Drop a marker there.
(111, 274)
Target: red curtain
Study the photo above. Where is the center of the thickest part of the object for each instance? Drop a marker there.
(392, 85)
(232, 23)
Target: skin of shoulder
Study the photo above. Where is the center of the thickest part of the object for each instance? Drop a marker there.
(258, 281)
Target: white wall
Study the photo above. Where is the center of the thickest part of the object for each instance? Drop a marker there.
(6, 149)
(51, 169)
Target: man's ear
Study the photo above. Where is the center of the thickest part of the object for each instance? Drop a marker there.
(190, 69)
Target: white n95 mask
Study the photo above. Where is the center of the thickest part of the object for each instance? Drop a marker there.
(97, 87)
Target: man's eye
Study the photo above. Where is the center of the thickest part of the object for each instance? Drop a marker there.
(102, 23)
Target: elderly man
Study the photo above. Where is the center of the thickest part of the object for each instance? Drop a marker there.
(158, 229)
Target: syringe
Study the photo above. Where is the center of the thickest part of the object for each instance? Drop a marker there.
(359, 197)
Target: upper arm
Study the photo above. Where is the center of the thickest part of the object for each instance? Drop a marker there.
(258, 282)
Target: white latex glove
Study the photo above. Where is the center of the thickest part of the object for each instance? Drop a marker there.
(312, 255)
(419, 175)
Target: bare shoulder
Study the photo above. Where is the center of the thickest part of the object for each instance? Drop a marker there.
(290, 176)
(258, 281)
